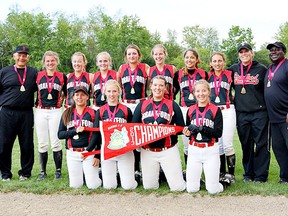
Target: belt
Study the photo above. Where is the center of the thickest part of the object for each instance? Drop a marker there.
(134, 101)
(202, 145)
(77, 149)
(47, 108)
(157, 149)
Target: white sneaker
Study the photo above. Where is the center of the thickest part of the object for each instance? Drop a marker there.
(22, 178)
(6, 180)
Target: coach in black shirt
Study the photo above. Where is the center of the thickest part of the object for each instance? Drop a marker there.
(17, 87)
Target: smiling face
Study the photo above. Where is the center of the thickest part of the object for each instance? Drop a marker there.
(112, 93)
(50, 63)
(103, 62)
(21, 59)
(190, 60)
(80, 98)
(217, 63)
(132, 56)
(276, 54)
(159, 55)
(78, 63)
(245, 56)
(158, 87)
(202, 93)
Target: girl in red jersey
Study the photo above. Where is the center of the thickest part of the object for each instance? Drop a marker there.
(114, 111)
(159, 54)
(220, 81)
(132, 77)
(204, 127)
(99, 79)
(163, 153)
(51, 89)
(72, 128)
(183, 81)
(77, 78)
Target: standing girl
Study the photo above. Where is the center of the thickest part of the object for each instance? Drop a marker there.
(77, 78)
(164, 152)
(220, 81)
(159, 54)
(113, 111)
(205, 125)
(51, 89)
(104, 62)
(72, 128)
(184, 80)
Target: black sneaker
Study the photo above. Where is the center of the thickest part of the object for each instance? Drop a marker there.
(283, 181)
(42, 176)
(138, 177)
(58, 174)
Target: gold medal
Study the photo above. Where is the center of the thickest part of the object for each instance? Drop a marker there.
(191, 97)
(155, 122)
(76, 137)
(102, 98)
(22, 88)
(49, 97)
(217, 100)
(199, 136)
(132, 91)
(268, 84)
(243, 90)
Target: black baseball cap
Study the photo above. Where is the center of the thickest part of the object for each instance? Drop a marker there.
(81, 88)
(22, 49)
(244, 46)
(277, 44)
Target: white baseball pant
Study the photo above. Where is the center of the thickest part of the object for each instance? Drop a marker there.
(185, 139)
(77, 167)
(203, 158)
(46, 124)
(229, 127)
(125, 165)
(170, 162)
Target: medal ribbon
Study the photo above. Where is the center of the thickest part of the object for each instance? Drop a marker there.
(242, 73)
(193, 81)
(22, 81)
(132, 79)
(80, 117)
(50, 82)
(111, 115)
(198, 122)
(161, 72)
(77, 80)
(217, 84)
(105, 80)
(271, 73)
(156, 109)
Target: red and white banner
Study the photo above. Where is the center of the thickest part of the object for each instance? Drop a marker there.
(119, 138)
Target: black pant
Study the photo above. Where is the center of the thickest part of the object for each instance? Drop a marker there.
(280, 147)
(253, 134)
(13, 123)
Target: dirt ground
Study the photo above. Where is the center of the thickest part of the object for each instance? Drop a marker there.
(136, 204)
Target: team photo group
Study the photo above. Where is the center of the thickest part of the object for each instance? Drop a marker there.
(246, 98)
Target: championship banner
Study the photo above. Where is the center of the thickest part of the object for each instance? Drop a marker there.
(119, 138)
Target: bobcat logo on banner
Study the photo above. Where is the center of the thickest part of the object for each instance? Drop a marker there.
(119, 138)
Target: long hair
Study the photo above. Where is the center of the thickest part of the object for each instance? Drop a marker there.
(195, 53)
(67, 114)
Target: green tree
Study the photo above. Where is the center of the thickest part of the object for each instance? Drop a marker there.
(236, 36)
(282, 34)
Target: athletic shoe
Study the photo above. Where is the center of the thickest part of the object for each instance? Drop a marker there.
(247, 180)
(23, 178)
(283, 181)
(42, 176)
(225, 181)
(57, 174)
(6, 179)
(231, 177)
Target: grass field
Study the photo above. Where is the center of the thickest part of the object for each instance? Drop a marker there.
(51, 186)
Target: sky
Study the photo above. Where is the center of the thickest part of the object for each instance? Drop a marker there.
(262, 17)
